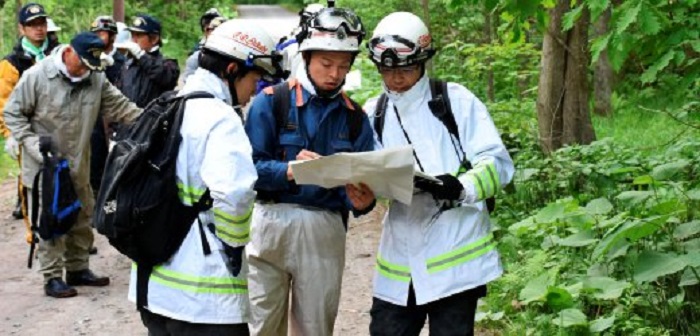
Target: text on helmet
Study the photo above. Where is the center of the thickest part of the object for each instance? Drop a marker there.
(250, 42)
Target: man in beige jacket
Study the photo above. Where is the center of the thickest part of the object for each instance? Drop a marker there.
(60, 97)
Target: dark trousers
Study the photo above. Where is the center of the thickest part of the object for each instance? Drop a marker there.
(98, 157)
(450, 316)
(159, 325)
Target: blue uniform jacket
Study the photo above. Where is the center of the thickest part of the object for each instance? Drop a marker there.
(316, 124)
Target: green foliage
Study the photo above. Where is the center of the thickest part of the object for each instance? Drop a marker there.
(180, 20)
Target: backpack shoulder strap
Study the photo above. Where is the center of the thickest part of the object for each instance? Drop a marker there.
(441, 107)
(354, 120)
(379, 115)
(281, 94)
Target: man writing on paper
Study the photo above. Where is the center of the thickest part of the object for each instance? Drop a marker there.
(298, 235)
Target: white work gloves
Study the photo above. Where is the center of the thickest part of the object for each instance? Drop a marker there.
(12, 147)
(132, 47)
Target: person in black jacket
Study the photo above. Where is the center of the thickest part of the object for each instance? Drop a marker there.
(106, 28)
(148, 74)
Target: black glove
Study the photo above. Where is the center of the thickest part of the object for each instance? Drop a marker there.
(234, 259)
(450, 189)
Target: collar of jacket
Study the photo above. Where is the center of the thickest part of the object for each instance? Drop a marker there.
(19, 51)
(204, 80)
(52, 70)
(308, 91)
(416, 93)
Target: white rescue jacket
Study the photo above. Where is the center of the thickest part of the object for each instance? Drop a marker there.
(441, 252)
(215, 153)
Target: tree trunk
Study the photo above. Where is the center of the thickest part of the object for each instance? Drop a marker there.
(491, 91)
(603, 73)
(426, 20)
(118, 10)
(562, 101)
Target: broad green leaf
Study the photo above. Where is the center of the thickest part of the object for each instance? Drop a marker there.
(695, 45)
(670, 170)
(571, 17)
(627, 17)
(686, 230)
(580, 220)
(692, 258)
(582, 238)
(632, 231)
(634, 197)
(601, 324)
(559, 298)
(523, 175)
(523, 226)
(692, 245)
(688, 278)
(643, 180)
(535, 289)
(570, 317)
(653, 265)
(551, 213)
(599, 206)
(618, 250)
(605, 288)
(694, 194)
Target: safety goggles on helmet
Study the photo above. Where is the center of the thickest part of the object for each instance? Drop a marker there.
(104, 23)
(332, 19)
(396, 51)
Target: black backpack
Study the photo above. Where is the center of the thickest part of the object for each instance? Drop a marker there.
(138, 208)
(442, 109)
(60, 205)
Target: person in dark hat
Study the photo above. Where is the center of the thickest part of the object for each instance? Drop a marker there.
(32, 47)
(60, 98)
(106, 28)
(148, 74)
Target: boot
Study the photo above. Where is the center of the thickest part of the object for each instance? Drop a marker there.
(86, 278)
(58, 289)
(17, 213)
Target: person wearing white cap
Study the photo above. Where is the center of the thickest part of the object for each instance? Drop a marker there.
(52, 31)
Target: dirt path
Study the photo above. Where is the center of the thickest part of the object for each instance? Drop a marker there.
(25, 310)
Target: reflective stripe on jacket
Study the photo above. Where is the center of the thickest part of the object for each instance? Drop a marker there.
(215, 153)
(441, 252)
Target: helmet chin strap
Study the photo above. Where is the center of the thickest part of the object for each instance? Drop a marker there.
(231, 80)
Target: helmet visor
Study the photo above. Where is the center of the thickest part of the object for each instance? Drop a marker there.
(396, 51)
(332, 19)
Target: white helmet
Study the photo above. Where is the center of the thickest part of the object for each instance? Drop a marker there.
(332, 29)
(309, 11)
(51, 26)
(248, 43)
(400, 39)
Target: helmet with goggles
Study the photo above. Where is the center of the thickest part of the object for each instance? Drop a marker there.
(332, 29)
(104, 23)
(400, 39)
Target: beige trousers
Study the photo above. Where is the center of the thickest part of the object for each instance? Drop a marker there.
(299, 250)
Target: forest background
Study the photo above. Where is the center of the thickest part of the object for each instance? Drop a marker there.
(598, 102)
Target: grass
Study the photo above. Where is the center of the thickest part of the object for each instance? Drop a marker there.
(641, 129)
(8, 167)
